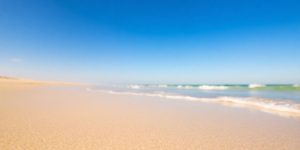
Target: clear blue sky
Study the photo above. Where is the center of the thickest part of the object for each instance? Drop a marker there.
(154, 41)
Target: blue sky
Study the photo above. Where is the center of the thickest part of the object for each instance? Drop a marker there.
(158, 41)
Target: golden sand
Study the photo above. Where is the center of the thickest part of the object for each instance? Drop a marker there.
(41, 117)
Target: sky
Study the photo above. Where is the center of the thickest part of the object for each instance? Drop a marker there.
(157, 41)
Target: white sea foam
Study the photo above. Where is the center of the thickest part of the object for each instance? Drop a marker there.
(296, 85)
(179, 86)
(162, 85)
(212, 87)
(282, 108)
(134, 86)
(252, 86)
(185, 87)
(203, 87)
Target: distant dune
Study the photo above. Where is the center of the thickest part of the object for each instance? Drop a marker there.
(19, 82)
(6, 77)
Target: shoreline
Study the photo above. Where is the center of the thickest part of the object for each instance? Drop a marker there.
(280, 108)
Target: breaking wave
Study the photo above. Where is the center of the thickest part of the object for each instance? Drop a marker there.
(211, 87)
(203, 87)
(185, 87)
(296, 85)
(252, 86)
(135, 86)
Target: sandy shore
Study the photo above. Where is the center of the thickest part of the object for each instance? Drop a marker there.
(41, 115)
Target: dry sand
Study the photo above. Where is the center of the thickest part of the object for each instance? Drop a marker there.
(38, 116)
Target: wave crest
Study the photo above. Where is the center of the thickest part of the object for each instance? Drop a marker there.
(212, 87)
(134, 86)
(252, 86)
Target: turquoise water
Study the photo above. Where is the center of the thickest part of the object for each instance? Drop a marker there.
(272, 91)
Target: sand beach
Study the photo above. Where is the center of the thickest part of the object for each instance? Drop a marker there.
(44, 116)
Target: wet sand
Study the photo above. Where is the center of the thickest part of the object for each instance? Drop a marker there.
(40, 116)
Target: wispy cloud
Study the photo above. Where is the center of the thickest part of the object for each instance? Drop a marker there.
(16, 60)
